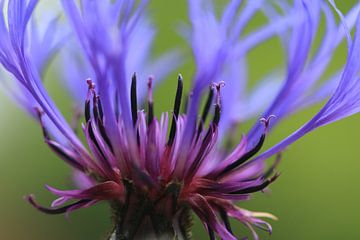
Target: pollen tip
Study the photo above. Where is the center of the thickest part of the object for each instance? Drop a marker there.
(217, 85)
(180, 77)
(90, 84)
(31, 199)
(39, 112)
(150, 81)
(273, 178)
(27, 197)
(266, 122)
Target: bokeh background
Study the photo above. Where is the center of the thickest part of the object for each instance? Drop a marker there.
(316, 197)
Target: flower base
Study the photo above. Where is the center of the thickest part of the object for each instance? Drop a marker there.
(141, 218)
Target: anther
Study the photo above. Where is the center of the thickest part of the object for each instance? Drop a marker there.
(133, 99)
(206, 110)
(217, 86)
(60, 210)
(266, 122)
(95, 106)
(225, 218)
(257, 188)
(248, 155)
(272, 168)
(117, 107)
(150, 101)
(101, 112)
(44, 130)
(64, 154)
(90, 84)
(177, 104)
(211, 233)
(91, 87)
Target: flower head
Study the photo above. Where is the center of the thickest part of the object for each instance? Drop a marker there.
(154, 170)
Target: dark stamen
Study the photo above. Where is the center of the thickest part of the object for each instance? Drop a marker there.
(98, 116)
(87, 110)
(95, 107)
(186, 103)
(55, 210)
(44, 130)
(63, 155)
(75, 119)
(133, 99)
(205, 112)
(93, 139)
(257, 188)
(117, 107)
(151, 112)
(57, 148)
(217, 86)
(104, 135)
(253, 151)
(91, 87)
(244, 157)
(150, 102)
(100, 108)
(211, 233)
(125, 207)
(216, 119)
(207, 105)
(177, 104)
(199, 157)
(224, 216)
(272, 168)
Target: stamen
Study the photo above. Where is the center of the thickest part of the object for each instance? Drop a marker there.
(272, 168)
(216, 119)
(104, 135)
(205, 111)
(77, 114)
(211, 233)
(177, 104)
(87, 110)
(244, 157)
(93, 139)
(258, 187)
(98, 116)
(186, 103)
(97, 145)
(91, 87)
(124, 209)
(101, 112)
(44, 130)
(248, 155)
(133, 99)
(150, 101)
(61, 152)
(266, 122)
(60, 210)
(95, 106)
(196, 164)
(117, 107)
(90, 83)
(217, 86)
(207, 105)
(224, 216)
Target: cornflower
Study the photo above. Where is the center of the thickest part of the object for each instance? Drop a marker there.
(155, 171)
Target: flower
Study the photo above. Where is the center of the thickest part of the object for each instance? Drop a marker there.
(153, 171)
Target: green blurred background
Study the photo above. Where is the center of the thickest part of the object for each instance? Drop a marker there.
(316, 197)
